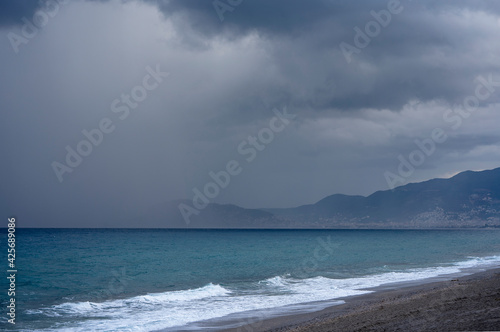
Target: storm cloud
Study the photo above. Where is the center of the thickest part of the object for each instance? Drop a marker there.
(231, 65)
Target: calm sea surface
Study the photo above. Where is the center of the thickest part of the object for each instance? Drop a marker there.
(147, 280)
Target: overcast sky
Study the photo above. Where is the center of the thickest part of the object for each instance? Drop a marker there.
(362, 91)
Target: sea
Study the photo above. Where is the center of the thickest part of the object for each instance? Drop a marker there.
(207, 280)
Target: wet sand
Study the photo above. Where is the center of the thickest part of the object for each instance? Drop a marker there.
(468, 303)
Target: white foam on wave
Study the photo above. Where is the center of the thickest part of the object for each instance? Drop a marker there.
(177, 308)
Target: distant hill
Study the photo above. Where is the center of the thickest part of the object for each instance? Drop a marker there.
(213, 216)
(469, 199)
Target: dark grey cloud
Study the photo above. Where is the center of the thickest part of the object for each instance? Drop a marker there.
(271, 17)
(294, 16)
(416, 56)
(12, 11)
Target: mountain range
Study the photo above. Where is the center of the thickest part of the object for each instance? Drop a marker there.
(468, 199)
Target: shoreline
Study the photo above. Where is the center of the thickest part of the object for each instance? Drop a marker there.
(463, 302)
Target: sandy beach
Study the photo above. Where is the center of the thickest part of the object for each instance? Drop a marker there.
(468, 303)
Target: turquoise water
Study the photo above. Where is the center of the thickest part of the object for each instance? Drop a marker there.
(145, 280)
